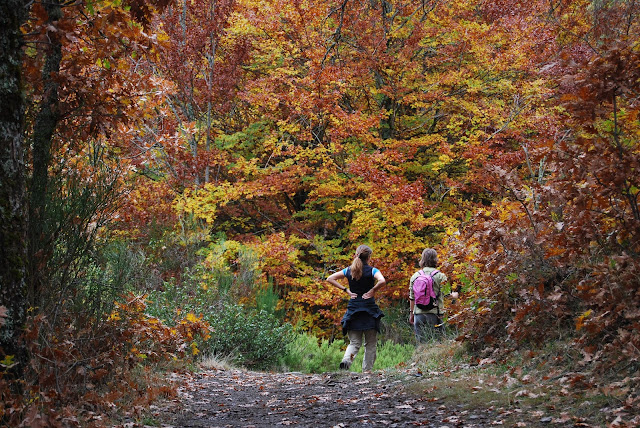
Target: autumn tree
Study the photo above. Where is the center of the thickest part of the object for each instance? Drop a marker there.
(596, 191)
(82, 85)
(62, 100)
(559, 251)
(366, 122)
(204, 64)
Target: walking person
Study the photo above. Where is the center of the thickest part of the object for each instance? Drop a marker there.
(427, 320)
(362, 318)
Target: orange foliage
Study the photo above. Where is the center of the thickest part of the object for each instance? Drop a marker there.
(502, 133)
(82, 370)
(559, 249)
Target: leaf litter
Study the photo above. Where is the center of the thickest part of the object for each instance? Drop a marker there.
(234, 398)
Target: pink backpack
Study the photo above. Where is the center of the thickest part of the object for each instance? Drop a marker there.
(423, 293)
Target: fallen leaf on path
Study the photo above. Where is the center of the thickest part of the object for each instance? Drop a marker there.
(404, 406)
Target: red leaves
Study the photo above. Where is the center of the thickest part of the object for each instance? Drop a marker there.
(79, 374)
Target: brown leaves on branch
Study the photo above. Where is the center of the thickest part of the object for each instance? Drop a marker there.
(560, 250)
(81, 372)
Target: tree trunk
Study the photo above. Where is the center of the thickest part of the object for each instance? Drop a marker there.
(212, 63)
(46, 121)
(13, 226)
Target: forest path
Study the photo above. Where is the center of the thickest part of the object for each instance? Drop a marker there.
(238, 398)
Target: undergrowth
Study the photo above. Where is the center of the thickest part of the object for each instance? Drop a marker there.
(307, 354)
(242, 334)
(552, 384)
(80, 373)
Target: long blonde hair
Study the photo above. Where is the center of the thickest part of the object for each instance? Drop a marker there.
(363, 253)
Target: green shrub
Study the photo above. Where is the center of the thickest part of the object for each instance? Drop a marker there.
(175, 299)
(308, 355)
(240, 334)
(305, 354)
(267, 300)
(115, 267)
(247, 337)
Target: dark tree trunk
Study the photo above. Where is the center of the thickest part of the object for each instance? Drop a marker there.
(40, 245)
(13, 224)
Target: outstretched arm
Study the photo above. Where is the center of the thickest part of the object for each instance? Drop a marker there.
(333, 280)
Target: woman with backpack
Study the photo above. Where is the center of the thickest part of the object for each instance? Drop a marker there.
(426, 303)
(362, 318)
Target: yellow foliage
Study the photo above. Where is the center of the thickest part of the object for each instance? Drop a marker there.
(8, 361)
(193, 318)
(580, 320)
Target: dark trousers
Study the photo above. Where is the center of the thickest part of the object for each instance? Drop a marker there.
(427, 327)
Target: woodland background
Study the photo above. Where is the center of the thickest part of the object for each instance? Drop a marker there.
(175, 171)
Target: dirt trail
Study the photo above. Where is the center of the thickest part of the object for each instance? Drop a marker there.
(236, 398)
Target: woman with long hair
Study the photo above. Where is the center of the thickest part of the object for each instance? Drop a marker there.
(362, 318)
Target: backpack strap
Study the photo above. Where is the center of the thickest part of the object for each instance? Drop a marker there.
(420, 272)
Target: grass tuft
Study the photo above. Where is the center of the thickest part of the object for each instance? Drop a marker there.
(216, 362)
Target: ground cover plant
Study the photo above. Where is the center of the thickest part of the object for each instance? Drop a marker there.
(308, 354)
